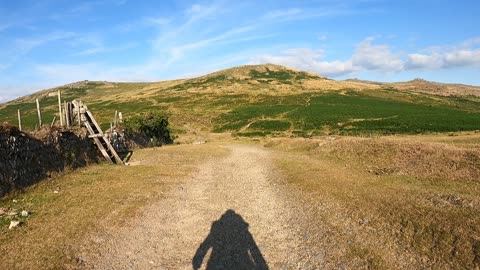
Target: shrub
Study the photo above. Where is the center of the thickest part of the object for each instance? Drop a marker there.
(149, 124)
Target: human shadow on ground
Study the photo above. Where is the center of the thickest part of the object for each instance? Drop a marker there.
(233, 246)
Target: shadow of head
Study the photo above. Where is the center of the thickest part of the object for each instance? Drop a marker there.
(232, 245)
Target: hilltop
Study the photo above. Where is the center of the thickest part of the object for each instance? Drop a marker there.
(259, 100)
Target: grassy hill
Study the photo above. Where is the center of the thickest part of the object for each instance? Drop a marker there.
(272, 100)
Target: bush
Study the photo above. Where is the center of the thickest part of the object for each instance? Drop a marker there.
(152, 125)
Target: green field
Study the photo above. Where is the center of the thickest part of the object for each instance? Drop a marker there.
(264, 102)
(354, 114)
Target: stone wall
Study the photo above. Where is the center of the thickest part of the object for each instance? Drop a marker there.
(26, 159)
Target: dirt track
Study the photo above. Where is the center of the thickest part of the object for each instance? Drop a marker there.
(238, 189)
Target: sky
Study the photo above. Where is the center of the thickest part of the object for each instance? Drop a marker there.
(49, 43)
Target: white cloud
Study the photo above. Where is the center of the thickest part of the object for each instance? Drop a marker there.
(416, 60)
(307, 59)
(368, 56)
(462, 58)
(465, 54)
(448, 58)
(376, 57)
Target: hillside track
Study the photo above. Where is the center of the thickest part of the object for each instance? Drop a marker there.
(231, 214)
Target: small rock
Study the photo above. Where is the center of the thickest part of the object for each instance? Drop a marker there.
(24, 213)
(331, 138)
(14, 224)
(55, 191)
(15, 201)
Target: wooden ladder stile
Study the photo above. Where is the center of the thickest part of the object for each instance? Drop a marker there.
(96, 133)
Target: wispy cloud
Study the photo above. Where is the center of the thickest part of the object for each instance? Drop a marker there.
(4, 26)
(21, 46)
(298, 14)
(142, 23)
(282, 13)
(180, 50)
(94, 44)
(102, 49)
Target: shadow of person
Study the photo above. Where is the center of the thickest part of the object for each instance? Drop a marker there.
(233, 246)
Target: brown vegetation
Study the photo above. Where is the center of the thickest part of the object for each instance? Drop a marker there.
(396, 156)
(400, 204)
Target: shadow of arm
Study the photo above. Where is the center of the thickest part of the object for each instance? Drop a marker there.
(256, 254)
(201, 252)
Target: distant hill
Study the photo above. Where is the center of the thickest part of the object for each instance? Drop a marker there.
(273, 100)
(442, 89)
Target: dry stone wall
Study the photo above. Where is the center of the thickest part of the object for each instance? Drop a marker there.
(26, 159)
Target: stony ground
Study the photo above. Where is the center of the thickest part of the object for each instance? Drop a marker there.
(234, 205)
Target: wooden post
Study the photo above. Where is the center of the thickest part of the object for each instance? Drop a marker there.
(39, 113)
(78, 113)
(53, 121)
(67, 114)
(60, 107)
(19, 121)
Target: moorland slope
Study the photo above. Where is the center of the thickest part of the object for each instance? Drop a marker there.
(262, 100)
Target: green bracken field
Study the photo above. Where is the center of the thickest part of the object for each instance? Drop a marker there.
(354, 114)
(260, 109)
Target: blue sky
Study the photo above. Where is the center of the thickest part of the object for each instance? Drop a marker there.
(50, 43)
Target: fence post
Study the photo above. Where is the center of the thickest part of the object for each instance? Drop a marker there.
(60, 107)
(53, 121)
(67, 114)
(19, 120)
(78, 114)
(39, 113)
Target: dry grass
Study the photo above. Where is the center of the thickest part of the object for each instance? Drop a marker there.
(442, 89)
(418, 156)
(97, 194)
(416, 219)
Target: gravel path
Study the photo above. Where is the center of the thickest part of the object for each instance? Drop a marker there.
(232, 214)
